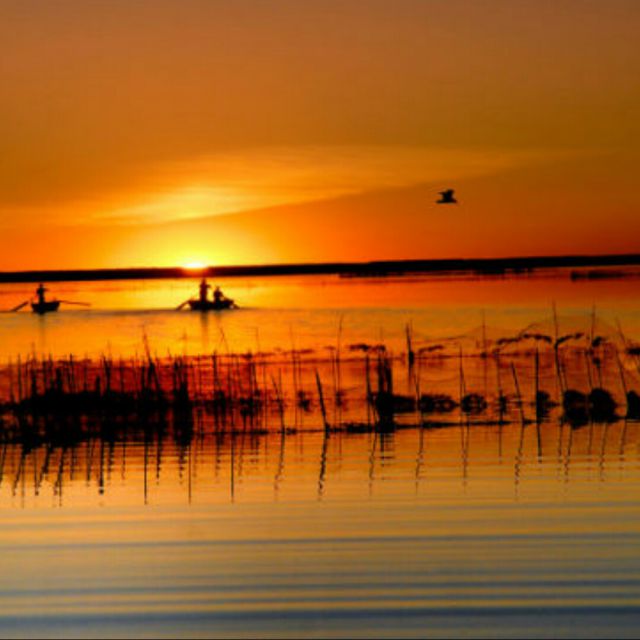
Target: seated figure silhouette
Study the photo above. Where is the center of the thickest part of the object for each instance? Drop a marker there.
(447, 197)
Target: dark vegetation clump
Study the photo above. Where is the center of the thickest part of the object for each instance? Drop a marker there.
(437, 403)
(575, 407)
(473, 403)
(602, 406)
(633, 405)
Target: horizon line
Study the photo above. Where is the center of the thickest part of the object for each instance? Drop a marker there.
(486, 266)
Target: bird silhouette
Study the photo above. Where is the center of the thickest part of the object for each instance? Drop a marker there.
(447, 197)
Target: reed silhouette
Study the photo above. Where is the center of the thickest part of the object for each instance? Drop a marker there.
(66, 400)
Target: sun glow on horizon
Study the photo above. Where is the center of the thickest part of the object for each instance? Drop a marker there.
(194, 265)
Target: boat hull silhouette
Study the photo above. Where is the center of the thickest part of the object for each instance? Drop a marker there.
(45, 307)
(211, 305)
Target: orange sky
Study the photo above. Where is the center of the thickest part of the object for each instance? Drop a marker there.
(165, 132)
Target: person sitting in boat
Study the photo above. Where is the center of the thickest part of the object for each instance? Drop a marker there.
(40, 291)
(204, 288)
(218, 296)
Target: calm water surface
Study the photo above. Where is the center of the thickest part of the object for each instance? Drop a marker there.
(470, 530)
(304, 312)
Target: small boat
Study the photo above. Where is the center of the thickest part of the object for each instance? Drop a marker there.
(219, 302)
(42, 307)
(212, 305)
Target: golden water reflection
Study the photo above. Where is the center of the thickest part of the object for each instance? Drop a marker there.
(460, 530)
(457, 464)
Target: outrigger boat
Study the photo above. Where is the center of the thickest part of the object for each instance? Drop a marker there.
(42, 305)
(220, 302)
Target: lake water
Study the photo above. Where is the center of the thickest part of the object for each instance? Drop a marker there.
(304, 312)
(473, 528)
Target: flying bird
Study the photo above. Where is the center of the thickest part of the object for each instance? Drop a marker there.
(447, 197)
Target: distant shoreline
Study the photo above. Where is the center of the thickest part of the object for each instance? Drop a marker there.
(478, 266)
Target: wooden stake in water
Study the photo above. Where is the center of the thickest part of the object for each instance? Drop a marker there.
(560, 380)
(416, 384)
(588, 368)
(462, 384)
(411, 356)
(622, 378)
(279, 400)
(484, 336)
(370, 404)
(518, 394)
(536, 398)
(323, 409)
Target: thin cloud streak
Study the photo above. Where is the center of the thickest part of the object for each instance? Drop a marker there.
(262, 178)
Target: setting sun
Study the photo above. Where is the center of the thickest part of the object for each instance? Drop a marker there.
(194, 265)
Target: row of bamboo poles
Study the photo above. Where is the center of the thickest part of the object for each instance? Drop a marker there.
(250, 392)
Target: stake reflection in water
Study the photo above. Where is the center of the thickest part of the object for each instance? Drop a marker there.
(166, 469)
